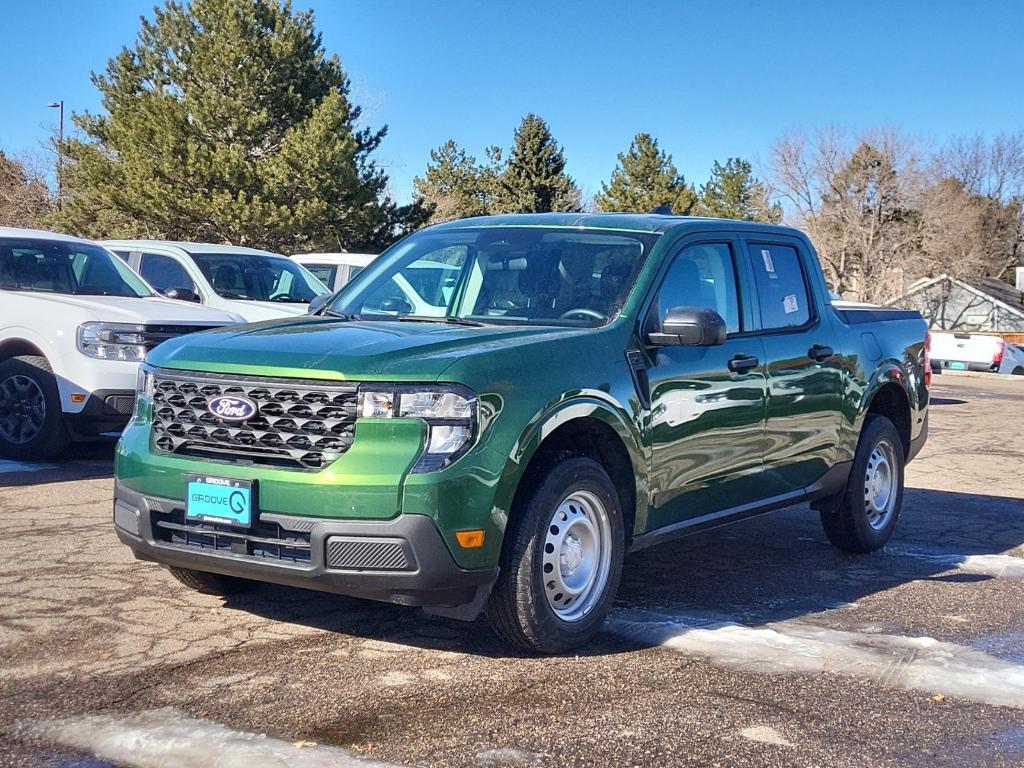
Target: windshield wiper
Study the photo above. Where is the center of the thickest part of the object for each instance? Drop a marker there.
(328, 312)
(448, 320)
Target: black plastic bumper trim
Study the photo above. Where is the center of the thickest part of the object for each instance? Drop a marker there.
(435, 582)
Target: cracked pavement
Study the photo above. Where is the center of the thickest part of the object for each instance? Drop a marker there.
(86, 629)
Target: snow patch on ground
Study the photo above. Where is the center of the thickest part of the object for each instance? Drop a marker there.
(506, 755)
(8, 467)
(999, 566)
(168, 738)
(913, 663)
(765, 735)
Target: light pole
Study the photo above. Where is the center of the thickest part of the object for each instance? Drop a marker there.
(60, 151)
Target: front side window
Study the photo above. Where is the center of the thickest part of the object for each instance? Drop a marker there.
(164, 273)
(55, 266)
(523, 275)
(254, 277)
(781, 286)
(702, 276)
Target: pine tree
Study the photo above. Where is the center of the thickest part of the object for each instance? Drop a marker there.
(454, 185)
(534, 178)
(645, 179)
(733, 192)
(228, 122)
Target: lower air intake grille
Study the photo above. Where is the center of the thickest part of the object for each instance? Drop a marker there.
(266, 540)
(366, 554)
(298, 422)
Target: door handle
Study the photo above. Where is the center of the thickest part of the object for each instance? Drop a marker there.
(743, 363)
(819, 353)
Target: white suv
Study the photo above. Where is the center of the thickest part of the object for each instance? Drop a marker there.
(258, 285)
(334, 269)
(74, 324)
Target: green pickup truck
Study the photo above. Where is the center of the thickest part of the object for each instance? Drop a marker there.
(569, 387)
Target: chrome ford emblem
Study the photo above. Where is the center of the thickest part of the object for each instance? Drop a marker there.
(231, 408)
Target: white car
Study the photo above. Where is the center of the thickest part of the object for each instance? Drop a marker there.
(334, 269)
(74, 324)
(953, 351)
(258, 285)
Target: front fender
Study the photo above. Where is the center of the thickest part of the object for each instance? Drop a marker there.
(585, 404)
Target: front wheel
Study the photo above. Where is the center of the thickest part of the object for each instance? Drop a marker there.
(31, 418)
(562, 559)
(863, 517)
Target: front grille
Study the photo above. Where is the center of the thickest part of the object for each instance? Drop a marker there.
(267, 540)
(154, 335)
(299, 423)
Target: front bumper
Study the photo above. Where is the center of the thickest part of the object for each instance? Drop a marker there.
(403, 560)
(105, 410)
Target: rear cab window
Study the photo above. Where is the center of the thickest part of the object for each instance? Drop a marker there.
(781, 286)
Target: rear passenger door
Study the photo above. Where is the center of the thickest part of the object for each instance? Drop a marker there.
(804, 368)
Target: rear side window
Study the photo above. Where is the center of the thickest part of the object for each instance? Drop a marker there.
(781, 286)
(325, 273)
(164, 273)
(702, 276)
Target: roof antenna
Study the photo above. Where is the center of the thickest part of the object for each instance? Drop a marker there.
(663, 210)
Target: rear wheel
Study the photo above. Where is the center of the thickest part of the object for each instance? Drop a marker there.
(562, 559)
(1018, 371)
(31, 418)
(211, 583)
(863, 517)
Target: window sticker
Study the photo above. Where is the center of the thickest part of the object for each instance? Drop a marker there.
(769, 265)
(790, 304)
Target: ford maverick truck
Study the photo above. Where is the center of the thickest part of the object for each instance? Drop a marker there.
(579, 386)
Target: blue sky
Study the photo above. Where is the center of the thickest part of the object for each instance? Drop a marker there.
(709, 80)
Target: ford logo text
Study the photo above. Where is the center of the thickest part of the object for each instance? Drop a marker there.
(231, 408)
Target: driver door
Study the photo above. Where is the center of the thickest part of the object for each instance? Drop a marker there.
(708, 404)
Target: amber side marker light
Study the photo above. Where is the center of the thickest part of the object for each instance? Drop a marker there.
(470, 539)
(77, 398)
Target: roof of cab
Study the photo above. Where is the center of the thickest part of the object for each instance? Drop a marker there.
(654, 223)
(189, 247)
(39, 234)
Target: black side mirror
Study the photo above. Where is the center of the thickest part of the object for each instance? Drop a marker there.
(690, 327)
(181, 294)
(396, 305)
(318, 303)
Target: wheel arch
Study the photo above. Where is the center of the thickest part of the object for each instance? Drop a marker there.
(18, 347)
(588, 427)
(889, 398)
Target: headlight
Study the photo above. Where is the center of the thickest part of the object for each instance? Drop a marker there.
(143, 391)
(113, 341)
(449, 410)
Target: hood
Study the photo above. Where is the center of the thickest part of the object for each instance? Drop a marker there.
(323, 347)
(255, 311)
(129, 309)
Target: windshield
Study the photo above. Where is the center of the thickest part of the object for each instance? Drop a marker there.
(520, 275)
(60, 266)
(252, 277)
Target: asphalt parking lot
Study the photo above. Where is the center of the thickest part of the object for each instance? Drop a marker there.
(754, 645)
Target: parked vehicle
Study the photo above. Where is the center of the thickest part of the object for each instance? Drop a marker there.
(593, 384)
(334, 269)
(956, 351)
(258, 285)
(74, 324)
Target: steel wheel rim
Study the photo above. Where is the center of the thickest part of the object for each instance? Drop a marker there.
(576, 556)
(880, 485)
(22, 409)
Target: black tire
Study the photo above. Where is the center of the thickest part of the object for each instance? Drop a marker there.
(212, 583)
(1018, 371)
(846, 518)
(52, 436)
(518, 609)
